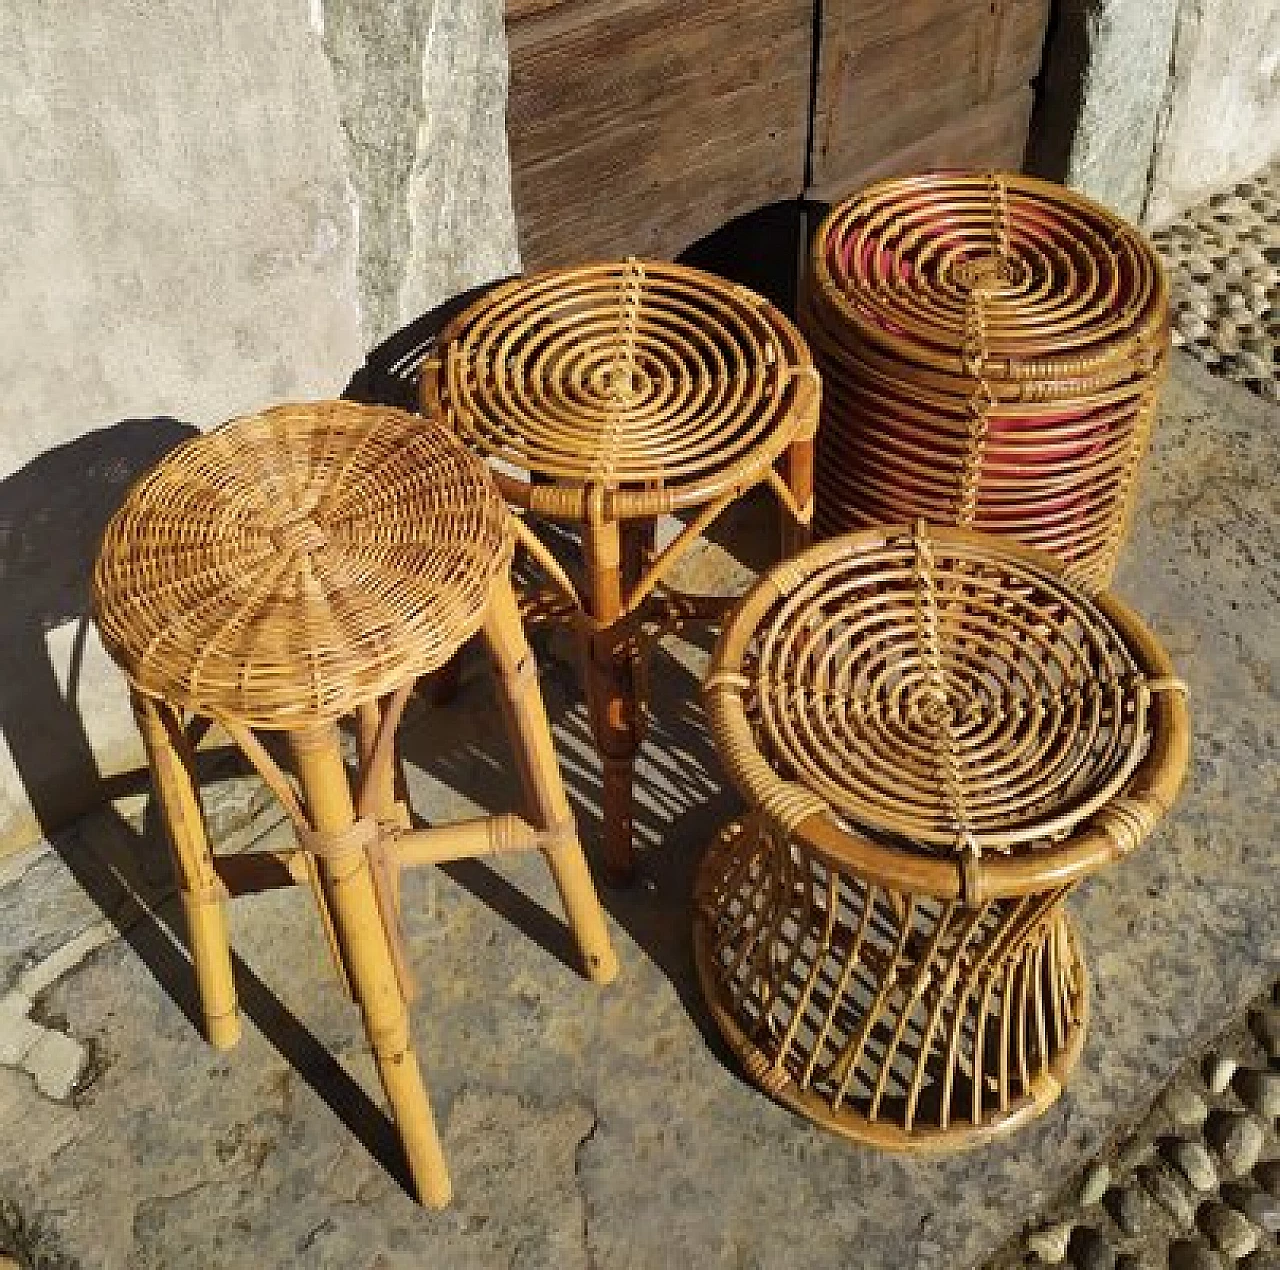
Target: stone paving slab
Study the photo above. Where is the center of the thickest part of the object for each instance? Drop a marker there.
(607, 1128)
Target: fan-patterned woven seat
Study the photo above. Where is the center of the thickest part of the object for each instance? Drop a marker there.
(937, 735)
(992, 348)
(283, 573)
(290, 564)
(606, 396)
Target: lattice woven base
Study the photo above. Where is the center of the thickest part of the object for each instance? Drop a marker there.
(894, 1019)
(1223, 259)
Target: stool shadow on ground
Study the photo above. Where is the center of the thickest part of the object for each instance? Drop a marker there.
(53, 512)
(681, 802)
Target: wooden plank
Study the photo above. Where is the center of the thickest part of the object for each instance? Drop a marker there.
(992, 135)
(894, 73)
(640, 125)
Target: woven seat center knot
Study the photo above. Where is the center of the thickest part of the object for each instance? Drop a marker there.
(299, 534)
(286, 567)
(931, 687)
(989, 274)
(635, 375)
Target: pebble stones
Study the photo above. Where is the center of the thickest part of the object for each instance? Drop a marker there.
(1194, 1163)
(1261, 1209)
(1224, 254)
(1049, 1243)
(1127, 1205)
(1091, 1250)
(1266, 1027)
(1267, 1175)
(1227, 1230)
(1263, 1259)
(1259, 1091)
(1190, 1254)
(1164, 1188)
(1184, 1107)
(1094, 1186)
(1218, 1072)
(1238, 1140)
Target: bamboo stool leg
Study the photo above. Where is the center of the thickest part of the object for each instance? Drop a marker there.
(611, 695)
(526, 719)
(348, 884)
(203, 895)
(797, 471)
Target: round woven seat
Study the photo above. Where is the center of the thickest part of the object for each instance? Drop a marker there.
(290, 565)
(937, 735)
(657, 384)
(606, 396)
(992, 347)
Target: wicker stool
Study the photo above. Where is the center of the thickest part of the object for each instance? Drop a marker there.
(938, 738)
(607, 396)
(276, 575)
(991, 349)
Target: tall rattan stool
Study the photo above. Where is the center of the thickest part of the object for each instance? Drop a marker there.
(992, 348)
(279, 574)
(605, 397)
(938, 737)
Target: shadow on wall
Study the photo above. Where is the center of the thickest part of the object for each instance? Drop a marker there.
(1059, 92)
(52, 516)
(53, 513)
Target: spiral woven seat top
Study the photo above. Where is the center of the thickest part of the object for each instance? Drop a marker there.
(944, 698)
(991, 349)
(289, 565)
(656, 385)
(1068, 290)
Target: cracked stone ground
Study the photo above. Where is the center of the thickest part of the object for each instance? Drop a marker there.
(607, 1128)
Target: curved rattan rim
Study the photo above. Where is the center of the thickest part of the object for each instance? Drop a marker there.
(449, 386)
(1137, 333)
(1100, 837)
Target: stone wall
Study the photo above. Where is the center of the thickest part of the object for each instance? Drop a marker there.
(203, 209)
(1149, 105)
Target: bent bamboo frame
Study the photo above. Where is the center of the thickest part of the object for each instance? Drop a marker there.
(608, 395)
(938, 735)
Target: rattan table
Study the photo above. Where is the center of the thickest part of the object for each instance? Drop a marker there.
(277, 575)
(604, 397)
(938, 736)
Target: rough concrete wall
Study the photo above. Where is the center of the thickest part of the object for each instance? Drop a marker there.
(1106, 70)
(422, 88)
(194, 223)
(1221, 117)
(1150, 104)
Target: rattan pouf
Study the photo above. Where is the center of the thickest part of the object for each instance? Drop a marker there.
(938, 736)
(604, 397)
(991, 350)
(282, 573)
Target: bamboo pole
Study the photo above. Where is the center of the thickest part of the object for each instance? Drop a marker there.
(348, 884)
(548, 807)
(202, 892)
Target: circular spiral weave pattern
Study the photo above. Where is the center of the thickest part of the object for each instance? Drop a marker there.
(991, 349)
(661, 383)
(289, 565)
(930, 686)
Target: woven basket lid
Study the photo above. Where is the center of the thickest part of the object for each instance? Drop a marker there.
(292, 564)
(941, 692)
(659, 384)
(1068, 289)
